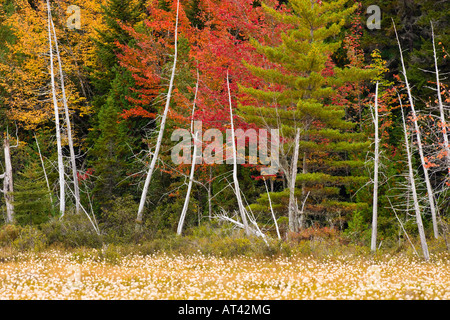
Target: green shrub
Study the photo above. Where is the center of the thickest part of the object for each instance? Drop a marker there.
(119, 221)
(358, 231)
(9, 233)
(73, 230)
(109, 253)
(30, 238)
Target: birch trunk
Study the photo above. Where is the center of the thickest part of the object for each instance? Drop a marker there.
(235, 178)
(62, 201)
(76, 187)
(188, 194)
(293, 209)
(8, 185)
(161, 131)
(373, 243)
(271, 210)
(419, 144)
(194, 157)
(441, 105)
(423, 239)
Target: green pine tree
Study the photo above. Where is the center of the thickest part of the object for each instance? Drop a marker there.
(31, 197)
(111, 152)
(112, 136)
(330, 151)
(115, 12)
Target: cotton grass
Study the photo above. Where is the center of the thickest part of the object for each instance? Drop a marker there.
(61, 275)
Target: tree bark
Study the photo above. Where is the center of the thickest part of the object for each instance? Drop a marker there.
(235, 178)
(62, 200)
(194, 156)
(271, 210)
(373, 243)
(293, 209)
(161, 131)
(430, 192)
(423, 239)
(8, 184)
(76, 187)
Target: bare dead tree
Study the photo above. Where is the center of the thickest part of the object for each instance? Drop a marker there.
(237, 189)
(161, 130)
(419, 143)
(62, 195)
(373, 243)
(412, 182)
(194, 157)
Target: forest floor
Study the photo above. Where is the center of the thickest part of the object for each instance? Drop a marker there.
(60, 274)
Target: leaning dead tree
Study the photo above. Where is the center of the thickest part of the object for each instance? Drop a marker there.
(430, 191)
(161, 130)
(443, 121)
(194, 158)
(237, 189)
(412, 183)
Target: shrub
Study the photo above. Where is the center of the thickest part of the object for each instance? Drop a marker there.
(74, 230)
(9, 233)
(314, 233)
(30, 238)
(358, 231)
(119, 221)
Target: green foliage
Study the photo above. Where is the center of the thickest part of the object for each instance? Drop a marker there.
(9, 233)
(22, 238)
(119, 220)
(115, 12)
(111, 152)
(31, 197)
(358, 230)
(329, 146)
(73, 230)
(30, 238)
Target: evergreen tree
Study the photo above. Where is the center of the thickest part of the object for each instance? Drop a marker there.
(112, 136)
(112, 148)
(329, 152)
(115, 13)
(31, 199)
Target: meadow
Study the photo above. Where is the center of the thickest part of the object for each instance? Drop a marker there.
(84, 274)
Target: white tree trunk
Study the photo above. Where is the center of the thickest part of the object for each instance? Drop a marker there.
(293, 209)
(441, 105)
(194, 157)
(271, 211)
(62, 200)
(419, 144)
(373, 243)
(235, 178)
(423, 239)
(8, 185)
(161, 130)
(76, 187)
(188, 193)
